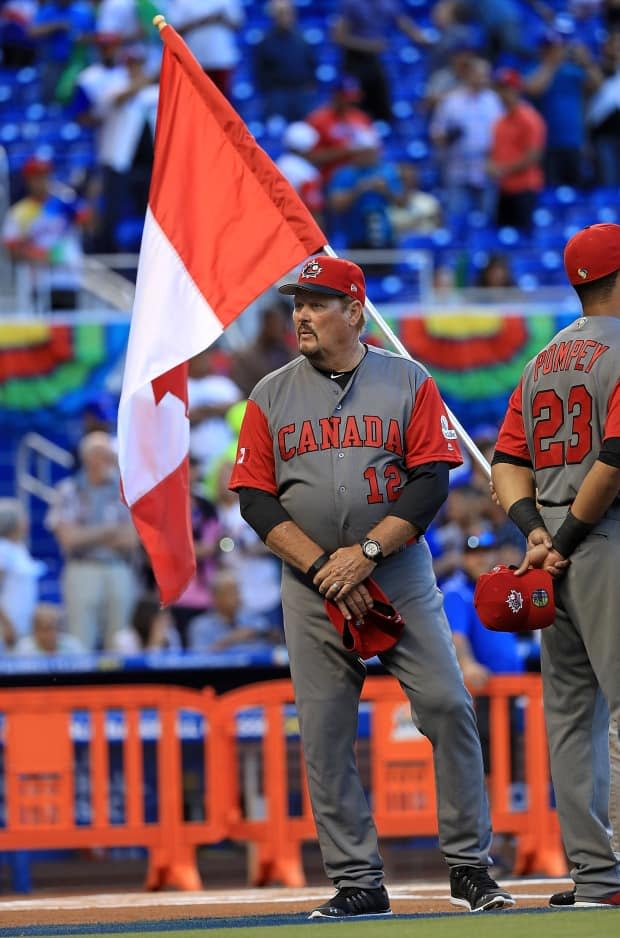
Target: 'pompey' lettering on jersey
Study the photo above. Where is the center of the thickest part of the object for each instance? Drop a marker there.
(578, 354)
(335, 433)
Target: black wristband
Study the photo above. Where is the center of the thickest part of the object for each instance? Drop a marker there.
(570, 534)
(525, 515)
(312, 570)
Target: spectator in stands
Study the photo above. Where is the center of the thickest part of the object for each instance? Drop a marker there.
(151, 630)
(43, 235)
(118, 96)
(210, 396)
(272, 348)
(519, 138)
(98, 540)
(47, 636)
(450, 76)
(361, 194)
(298, 140)
(209, 28)
(461, 129)
(480, 652)
(57, 26)
(454, 33)
(19, 574)
(460, 514)
(285, 66)
(560, 85)
(132, 20)
(337, 123)
(496, 275)
(363, 30)
(504, 26)
(17, 47)
(228, 626)
(258, 572)
(197, 596)
(603, 116)
(420, 212)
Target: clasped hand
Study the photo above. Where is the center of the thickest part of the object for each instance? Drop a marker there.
(541, 554)
(340, 580)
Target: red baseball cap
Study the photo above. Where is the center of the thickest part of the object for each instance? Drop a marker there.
(334, 276)
(378, 631)
(509, 78)
(509, 603)
(592, 253)
(36, 166)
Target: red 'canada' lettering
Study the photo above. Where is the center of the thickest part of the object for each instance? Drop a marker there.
(331, 433)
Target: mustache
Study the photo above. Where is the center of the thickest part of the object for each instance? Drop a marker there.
(306, 329)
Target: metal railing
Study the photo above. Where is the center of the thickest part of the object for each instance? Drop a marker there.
(35, 461)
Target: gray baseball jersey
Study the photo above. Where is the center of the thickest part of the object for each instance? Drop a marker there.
(566, 406)
(337, 459)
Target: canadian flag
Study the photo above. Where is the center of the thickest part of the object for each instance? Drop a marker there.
(222, 226)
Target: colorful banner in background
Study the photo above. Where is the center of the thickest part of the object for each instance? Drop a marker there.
(49, 372)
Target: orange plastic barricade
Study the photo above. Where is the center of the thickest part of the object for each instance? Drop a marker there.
(40, 775)
(400, 778)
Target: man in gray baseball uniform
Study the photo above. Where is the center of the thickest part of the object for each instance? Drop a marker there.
(343, 461)
(556, 471)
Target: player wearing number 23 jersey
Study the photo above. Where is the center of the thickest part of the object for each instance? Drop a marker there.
(343, 461)
(556, 470)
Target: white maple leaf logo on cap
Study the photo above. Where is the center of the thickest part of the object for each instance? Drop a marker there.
(514, 601)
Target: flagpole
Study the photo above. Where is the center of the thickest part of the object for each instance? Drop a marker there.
(398, 345)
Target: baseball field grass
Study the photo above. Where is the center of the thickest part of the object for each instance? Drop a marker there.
(576, 923)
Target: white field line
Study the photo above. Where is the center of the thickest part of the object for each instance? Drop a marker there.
(413, 891)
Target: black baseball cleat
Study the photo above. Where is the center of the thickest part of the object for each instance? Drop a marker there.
(569, 900)
(563, 900)
(355, 902)
(473, 888)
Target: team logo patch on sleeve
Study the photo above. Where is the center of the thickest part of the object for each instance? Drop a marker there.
(446, 429)
(243, 455)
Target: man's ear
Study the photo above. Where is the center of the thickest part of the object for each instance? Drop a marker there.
(354, 312)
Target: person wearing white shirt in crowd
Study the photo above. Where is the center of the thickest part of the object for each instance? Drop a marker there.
(209, 28)
(299, 139)
(210, 396)
(118, 95)
(258, 572)
(19, 574)
(47, 637)
(461, 128)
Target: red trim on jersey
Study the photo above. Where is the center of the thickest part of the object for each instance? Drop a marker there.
(425, 436)
(612, 421)
(255, 464)
(511, 439)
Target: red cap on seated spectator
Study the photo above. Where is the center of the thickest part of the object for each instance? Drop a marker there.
(108, 39)
(509, 603)
(35, 166)
(509, 78)
(592, 253)
(348, 87)
(334, 276)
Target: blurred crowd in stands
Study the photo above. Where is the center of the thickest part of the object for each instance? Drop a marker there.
(392, 120)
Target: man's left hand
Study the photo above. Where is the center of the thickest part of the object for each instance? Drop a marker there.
(346, 568)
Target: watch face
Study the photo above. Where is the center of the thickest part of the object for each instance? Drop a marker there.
(371, 549)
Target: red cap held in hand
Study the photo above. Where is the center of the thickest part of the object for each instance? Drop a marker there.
(509, 603)
(334, 276)
(378, 631)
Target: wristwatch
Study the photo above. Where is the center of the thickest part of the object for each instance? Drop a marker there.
(371, 549)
